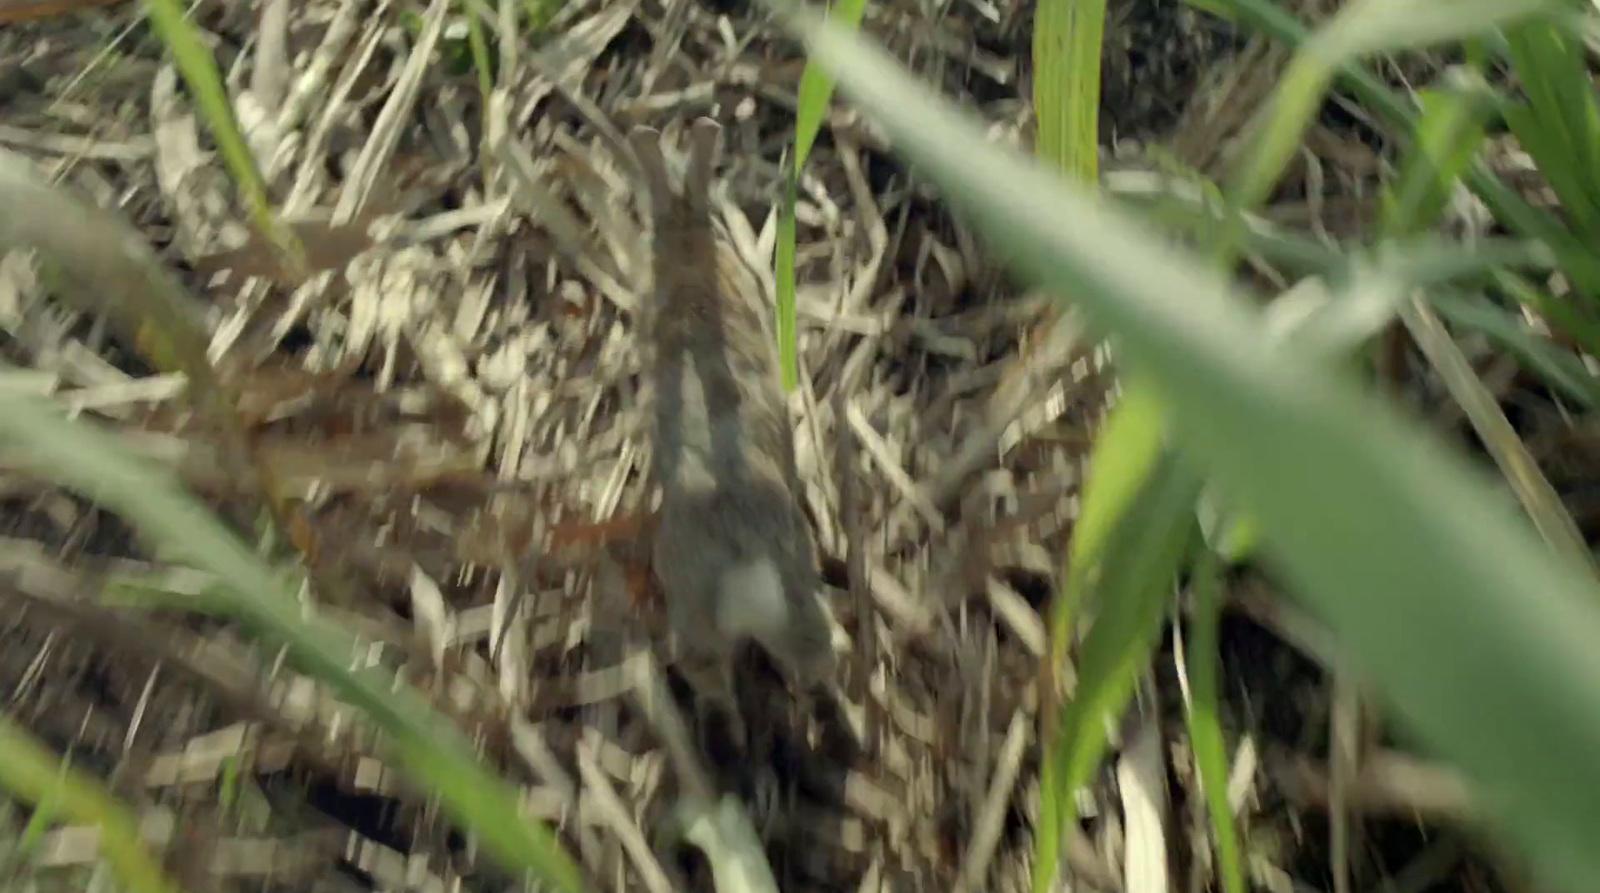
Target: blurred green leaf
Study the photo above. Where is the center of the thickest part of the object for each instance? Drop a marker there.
(1066, 98)
(1559, 368)
(1395, 111)
(1361, 27)
(1563, 313)
(1559, 125)
(1380, 527)
(1124, 455)
(35, 775)
(1365, 27)
(1538, 498)
(1448, 136)
(431, 750)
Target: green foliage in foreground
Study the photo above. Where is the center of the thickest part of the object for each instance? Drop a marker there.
(429, 749)
(70, 232)
(32, 773)
(1479, 634)
(816, 91)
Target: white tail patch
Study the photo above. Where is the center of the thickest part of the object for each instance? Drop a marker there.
(751, 601)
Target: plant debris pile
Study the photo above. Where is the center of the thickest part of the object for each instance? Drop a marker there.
(445, 399)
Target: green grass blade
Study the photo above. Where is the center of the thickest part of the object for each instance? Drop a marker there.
(1396, 112)
(1067, 41)
(816, 87)
(1558, 368)
(199, 72)
(816, 91)
(430, 749)
(1361, 28)
(1379, 526)
(1377, 26)
(1566, 315)
(1205, 727)
(1125, 454)
(1128, 598)
(1066, 86)
(1538, 498)
(478, 46)
(31, 772)
(1425, 260)
(1449, 134)
(1559, 126)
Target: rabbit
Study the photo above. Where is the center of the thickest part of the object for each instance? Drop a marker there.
(733, 549)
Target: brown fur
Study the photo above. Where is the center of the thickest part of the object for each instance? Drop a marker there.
(723, 450)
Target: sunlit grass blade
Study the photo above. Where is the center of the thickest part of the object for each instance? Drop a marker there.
(1066, 86)
(1126, 599)
(199, 72)
(1382, 529)
(1066, 97)
(816, 86)
(816, 91)
(429, 748)
(1124, 455)
(1205, 726)
(34, 775)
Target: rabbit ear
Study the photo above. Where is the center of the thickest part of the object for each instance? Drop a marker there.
(646, 143)
(705, 141)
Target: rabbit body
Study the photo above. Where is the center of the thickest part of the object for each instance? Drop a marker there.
(733, 549)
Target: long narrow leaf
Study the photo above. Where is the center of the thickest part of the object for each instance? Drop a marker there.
(199, 71)
(432, 751)
(1066, 86)
(1205, 727)
(1449, 134)
(1360, 28)
(816, 87)
(816, 91)
(30, 771)
(1560, 124)
(1383, 529)
(1396, 112)
(1128, 600)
